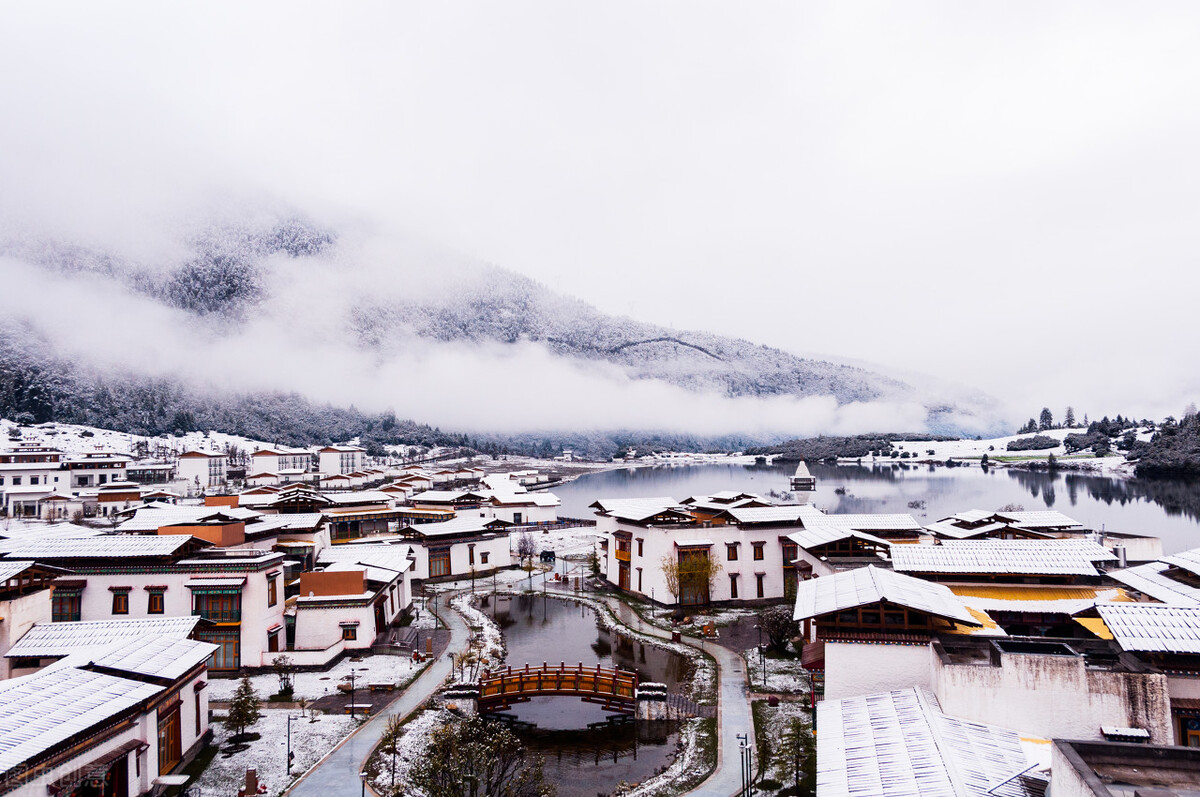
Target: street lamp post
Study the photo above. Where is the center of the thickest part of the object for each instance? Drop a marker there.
(289, 743)
(363, 777)
(352, 700)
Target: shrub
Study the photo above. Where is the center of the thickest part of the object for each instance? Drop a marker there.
(1038, 442)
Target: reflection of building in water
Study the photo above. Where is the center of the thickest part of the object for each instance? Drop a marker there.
(803, 482)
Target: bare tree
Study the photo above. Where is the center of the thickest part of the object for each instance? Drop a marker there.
(690, 574)
(526, 547)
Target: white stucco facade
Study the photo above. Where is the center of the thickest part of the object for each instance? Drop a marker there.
(860, 668)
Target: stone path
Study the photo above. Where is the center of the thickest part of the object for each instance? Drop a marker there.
(733, 703)
(338, 772)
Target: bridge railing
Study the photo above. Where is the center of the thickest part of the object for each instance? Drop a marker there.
(561, 679)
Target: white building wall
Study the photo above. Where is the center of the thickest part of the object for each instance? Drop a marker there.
(1067, 780)
(497, 548)
(854, 668)
(1056, 697)
(96, 603)
(193, 469)
(660, 543)
(19, 615)
(319, 629)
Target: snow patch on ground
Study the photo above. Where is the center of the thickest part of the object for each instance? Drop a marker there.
(919, 451)
(268, 754)
(398, 670)
(689, 764)
(486, 648)
(409, 749)
(783, 676)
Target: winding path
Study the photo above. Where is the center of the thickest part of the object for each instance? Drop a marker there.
(337, 772)
(733, 704)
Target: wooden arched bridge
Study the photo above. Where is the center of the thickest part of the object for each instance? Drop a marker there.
(612, 688)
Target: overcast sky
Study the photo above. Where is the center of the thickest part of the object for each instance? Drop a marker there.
(1003, 195)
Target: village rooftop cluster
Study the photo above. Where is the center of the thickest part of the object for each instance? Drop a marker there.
(990, 652)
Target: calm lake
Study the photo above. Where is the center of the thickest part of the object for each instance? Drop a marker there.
(1169, 508)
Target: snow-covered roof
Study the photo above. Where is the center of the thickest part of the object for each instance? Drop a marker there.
(765, 514)
(971, 516)
(60, 639)
(1028, 557)
(900, 744)
(458, 525)
(871, 522)
(154, 517)
(14, 567)
(42, 710)
(1187, 560)
(1036, 520)
(639, 510)
(155, 657)
(448, 496)
(813, 536)
(851, 588)
(303, 521)
(1151, 579)
(1034, 598)
(1152, 628)
(103, 547)
(524, 499)
(945, 528)
(381, 562)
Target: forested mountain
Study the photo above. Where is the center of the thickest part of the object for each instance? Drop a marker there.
(279, 277)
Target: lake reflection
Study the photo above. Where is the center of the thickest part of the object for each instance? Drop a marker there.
(583, 761)
(1166, 508)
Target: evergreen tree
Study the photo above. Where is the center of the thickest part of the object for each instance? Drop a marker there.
(1047, 420)
(476, 758)
(245, 709)
(1070, 421)
(798, 751)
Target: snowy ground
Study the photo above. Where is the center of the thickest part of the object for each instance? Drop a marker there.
(73, 439)
(784, 676)
(997, 449)
(268, 754)
(771, 726)
(691, 761)
(312, 685)
(387, 769)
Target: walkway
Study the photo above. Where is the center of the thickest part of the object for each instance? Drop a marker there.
(733, 703)
(337, 773)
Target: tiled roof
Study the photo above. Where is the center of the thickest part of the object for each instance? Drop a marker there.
(1022, 598)
(876, 522)
(1151, 628)
(156, 657)
(1151, 579)
(865, 585)
(1028, 557)
(900, 744)
(152, 518)
(1188, 560)
(813, 536)
(458, 525)
(1042, 519)
(766, 514)
(638, 510)
(41, 710)
(60, 639)
(945, 528)
(104, 547)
